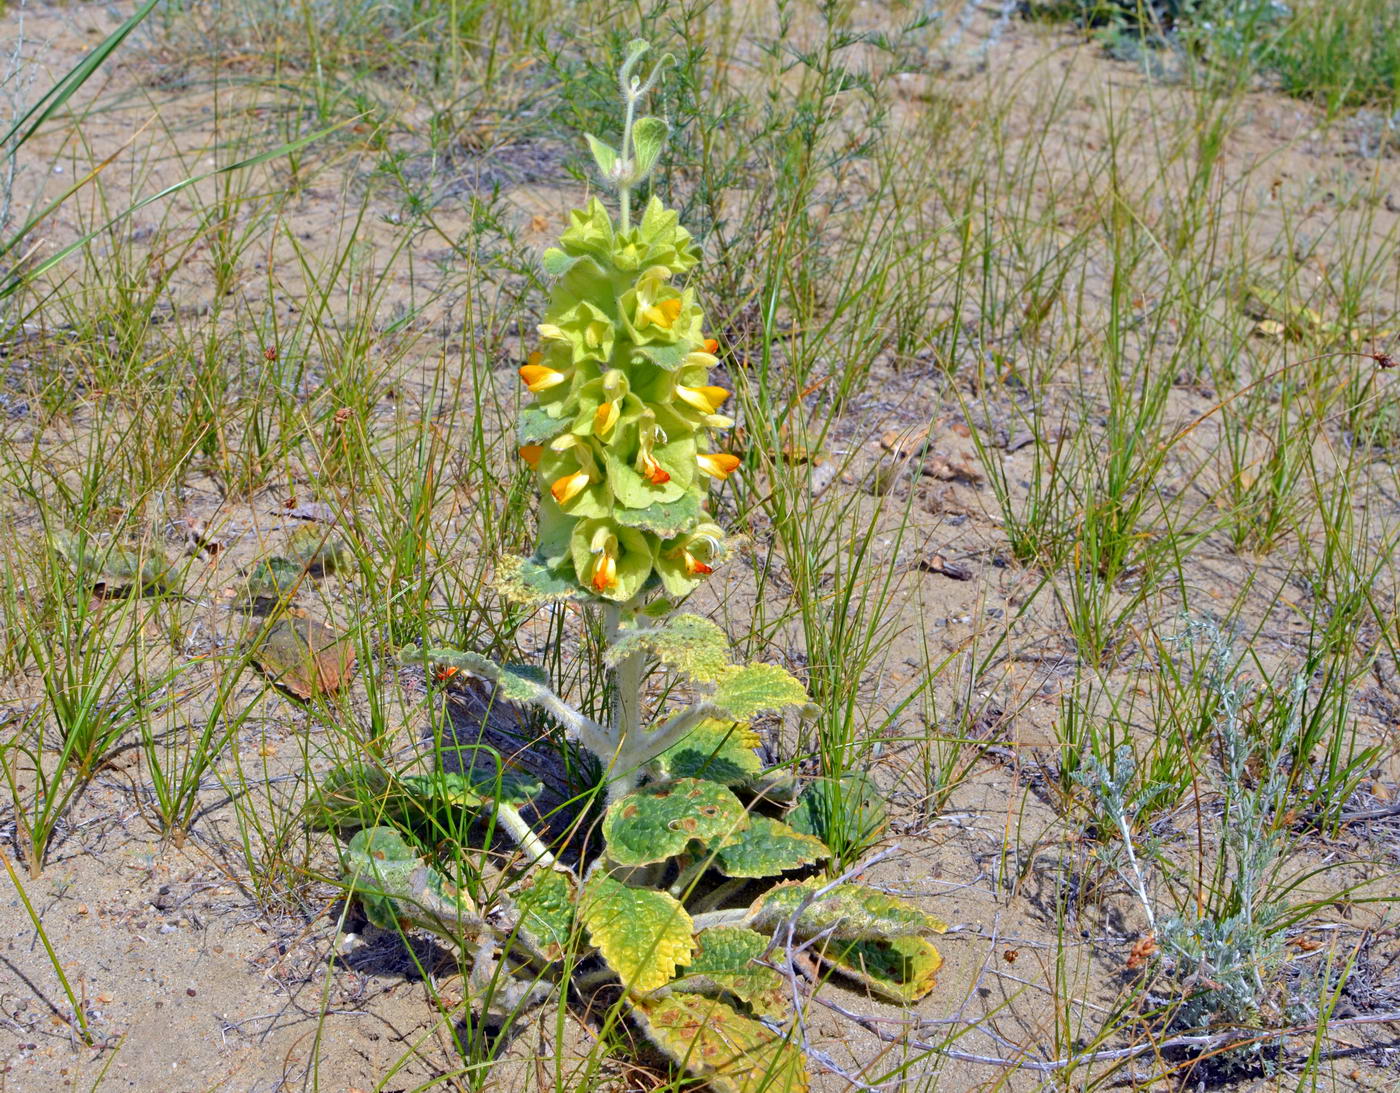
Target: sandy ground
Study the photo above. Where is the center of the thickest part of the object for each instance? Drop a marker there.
(197, 981)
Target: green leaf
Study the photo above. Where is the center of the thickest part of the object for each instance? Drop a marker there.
(722, 751)
(731, 1052)
(530, 583)
(546, 901)
(604, 155)
(688, 644)
(848, 814)
(484, 780)
(743, 693)
(316, 546)
(396, 888)
(105, 563)
(660, 821)
(523, 683)
(274, 579)
(768, 847)
(534, 426)
(556, 262)
(900, 969)
(352, 797)
(664, 356)
(724, 963)
(664, 518)
(848, 911)
(648, 139)
(643, 934)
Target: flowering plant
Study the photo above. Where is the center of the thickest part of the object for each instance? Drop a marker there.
(706, 859)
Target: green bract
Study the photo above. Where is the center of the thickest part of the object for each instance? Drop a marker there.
(623, 411)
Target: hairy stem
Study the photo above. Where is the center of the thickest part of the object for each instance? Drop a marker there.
(524, 835)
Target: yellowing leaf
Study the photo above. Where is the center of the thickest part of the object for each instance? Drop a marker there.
(733, 1053)
(743, 693)
(720, 751)
(900, 969)
(848, 911)
(659, 821)
(643, 934)
(688, 644)
(725, 962)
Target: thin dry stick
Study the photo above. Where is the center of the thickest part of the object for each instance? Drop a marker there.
(1204, 1042)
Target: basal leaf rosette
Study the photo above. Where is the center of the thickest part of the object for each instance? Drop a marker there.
(619, 435)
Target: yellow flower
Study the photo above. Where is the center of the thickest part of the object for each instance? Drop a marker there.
(605, 418)
(539, 377)
(663, 314)
(604, 551)
(705, 399)
(531, 454)
(604, 572)
(568, 486)
(718, 464)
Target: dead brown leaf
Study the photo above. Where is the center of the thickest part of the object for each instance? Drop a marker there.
(938, 564)
(905, 443)
(305, 656)
(945, 470)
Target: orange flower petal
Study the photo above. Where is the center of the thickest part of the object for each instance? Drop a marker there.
(718, 464)
(531, 453)
(538, 378)
(569, 486)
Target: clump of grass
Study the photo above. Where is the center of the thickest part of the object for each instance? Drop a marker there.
(1341, 55)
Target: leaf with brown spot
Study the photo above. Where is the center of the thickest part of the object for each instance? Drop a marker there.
(304, 656)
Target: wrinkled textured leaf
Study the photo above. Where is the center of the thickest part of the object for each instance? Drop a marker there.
(273, 579)
(523, 683)
(720, 751)
(768, 847)
(659, 821)
(900, 969)
(396, 888)
(317, 548)
(688, 644)
(743, 693)
(724, 963)
(733, 1053)
(529, 583)
(547, 900)
(304, 656)
(113, 566)
(648, 138)
(849, 911)
(534, 426)
(665, 518)
(354, 796)
(472, 788)
(643, 934)
(848, 815)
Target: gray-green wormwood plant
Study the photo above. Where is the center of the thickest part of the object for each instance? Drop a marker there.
(709, 869)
